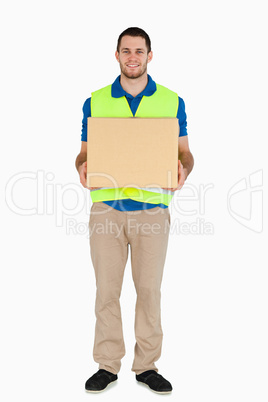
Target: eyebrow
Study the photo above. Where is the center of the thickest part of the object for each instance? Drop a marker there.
(127, 48)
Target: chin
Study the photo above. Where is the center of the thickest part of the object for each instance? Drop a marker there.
(134, 75)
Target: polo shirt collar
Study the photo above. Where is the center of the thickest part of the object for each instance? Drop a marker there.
(118, 91)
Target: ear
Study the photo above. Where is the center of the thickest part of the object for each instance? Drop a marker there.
(150, 56)
(117, 56)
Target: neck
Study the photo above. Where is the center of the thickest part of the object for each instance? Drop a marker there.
(134, 86)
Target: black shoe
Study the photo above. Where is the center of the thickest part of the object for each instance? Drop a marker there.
(155, 381)
(99, 381)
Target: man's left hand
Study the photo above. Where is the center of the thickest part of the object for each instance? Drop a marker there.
(182, 174)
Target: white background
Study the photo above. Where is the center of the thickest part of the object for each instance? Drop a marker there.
(214, 293)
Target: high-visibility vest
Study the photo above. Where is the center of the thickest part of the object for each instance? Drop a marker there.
(163, 103)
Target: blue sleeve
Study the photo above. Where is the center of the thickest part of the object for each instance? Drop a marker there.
(181, 116)
(86, 114)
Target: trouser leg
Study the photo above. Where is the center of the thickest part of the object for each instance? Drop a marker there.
(148, 252)
(109, 253)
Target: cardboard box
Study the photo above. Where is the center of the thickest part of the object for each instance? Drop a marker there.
(132, 152)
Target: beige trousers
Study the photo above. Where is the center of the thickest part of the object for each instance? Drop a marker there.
(147, 233)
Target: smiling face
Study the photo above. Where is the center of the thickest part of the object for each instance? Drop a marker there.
(133, 56)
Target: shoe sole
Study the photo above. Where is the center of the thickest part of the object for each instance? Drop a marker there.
(97, 392)
(156, 392)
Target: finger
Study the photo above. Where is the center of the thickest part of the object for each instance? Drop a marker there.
(180, 182)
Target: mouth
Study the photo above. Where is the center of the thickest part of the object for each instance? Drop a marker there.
(132, 65)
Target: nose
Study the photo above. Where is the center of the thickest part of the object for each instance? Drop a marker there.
(132, 57)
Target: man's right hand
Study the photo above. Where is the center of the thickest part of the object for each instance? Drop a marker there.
(83, 176)
(82, 170)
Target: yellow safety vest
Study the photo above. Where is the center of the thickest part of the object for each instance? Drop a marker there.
(163, 103)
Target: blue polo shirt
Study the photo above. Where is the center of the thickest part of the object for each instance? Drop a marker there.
(118, 92)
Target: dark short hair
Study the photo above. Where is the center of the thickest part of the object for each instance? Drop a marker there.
(134, 31)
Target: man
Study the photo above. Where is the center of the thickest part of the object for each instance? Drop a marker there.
(133, 93)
